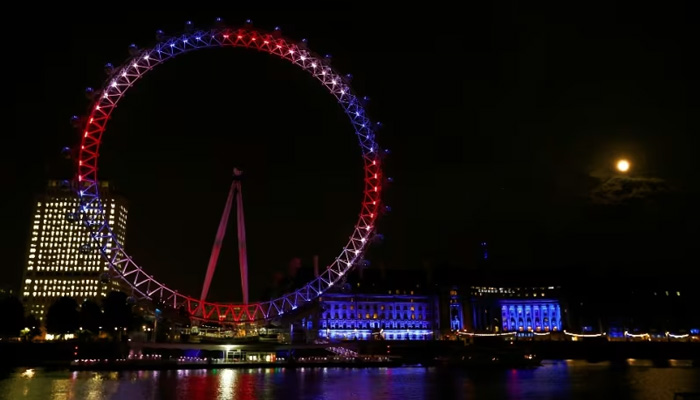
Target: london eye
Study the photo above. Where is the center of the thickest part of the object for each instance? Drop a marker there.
(144, 60)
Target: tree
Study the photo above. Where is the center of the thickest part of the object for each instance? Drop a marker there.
(33, 327)
(63, 316)
(90, 316)
(117, 312)
(12, 321)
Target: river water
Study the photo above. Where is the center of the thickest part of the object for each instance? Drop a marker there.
(560, 380)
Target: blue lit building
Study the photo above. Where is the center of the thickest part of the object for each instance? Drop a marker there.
(529, 315)
(365, 316)
(428, 305)
(375, 307)
(516, 309)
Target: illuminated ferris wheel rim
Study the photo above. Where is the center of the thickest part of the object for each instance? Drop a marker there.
(142, 61)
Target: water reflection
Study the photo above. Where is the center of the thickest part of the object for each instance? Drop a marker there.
(227, 380)
(555, 380)
(28, 373)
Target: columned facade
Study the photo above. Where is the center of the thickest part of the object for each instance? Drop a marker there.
(516, 309)
(377, 316)
(529, 316)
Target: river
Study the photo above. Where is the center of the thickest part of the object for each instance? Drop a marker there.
(560, 380)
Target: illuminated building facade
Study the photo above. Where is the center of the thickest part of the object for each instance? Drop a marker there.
(516, 309)
(425, 309)
(61, 259)
(452, 310)
(380, 305)
(377, 316)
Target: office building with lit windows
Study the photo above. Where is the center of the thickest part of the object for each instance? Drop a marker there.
(61, 259)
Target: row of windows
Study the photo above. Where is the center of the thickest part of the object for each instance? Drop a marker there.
(403, 316)
(90, 259)
(511, 294)
(480, 291)
(48, 231)
(372, 325)
(63, 245)
(64, 281)
(71, 256)
(69, 269)
(58, 202)
(60, 213)
(61, 225)
(61, 294)
(376, 306)
(47, 288)
(368, 336)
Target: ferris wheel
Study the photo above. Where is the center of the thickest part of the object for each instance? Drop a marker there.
(142, 61)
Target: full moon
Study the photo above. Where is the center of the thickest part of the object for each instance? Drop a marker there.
(623, 165)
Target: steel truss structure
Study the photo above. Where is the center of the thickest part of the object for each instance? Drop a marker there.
(142, 61)
(234, 192)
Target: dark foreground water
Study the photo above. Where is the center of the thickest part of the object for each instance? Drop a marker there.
(554, 380)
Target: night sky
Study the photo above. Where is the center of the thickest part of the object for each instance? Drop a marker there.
(504, 124)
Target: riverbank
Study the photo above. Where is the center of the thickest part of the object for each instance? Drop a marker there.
(165, 365)
(129, 356)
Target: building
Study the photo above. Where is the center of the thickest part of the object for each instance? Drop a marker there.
(366, 316)
(657, 305)
(400, 306)
(488, 302)
(61, 258)
(450, 302)
(519, 309)
(424, 305)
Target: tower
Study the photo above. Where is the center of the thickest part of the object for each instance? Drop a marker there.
(484, 251)
(61, 258)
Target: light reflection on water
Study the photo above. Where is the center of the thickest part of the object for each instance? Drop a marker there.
(554, 380)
